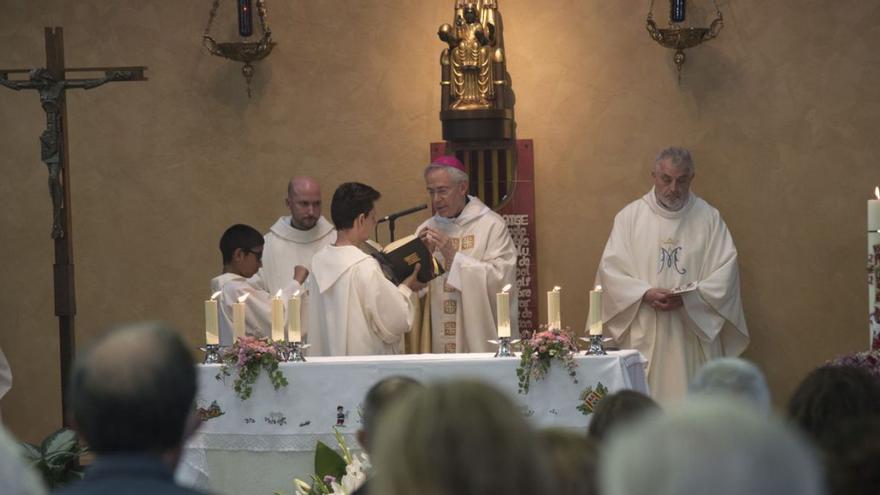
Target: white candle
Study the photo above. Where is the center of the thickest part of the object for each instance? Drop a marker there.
(212, 335)
(277, 317)
(502, 305)
(595, 319)
(294, 317)
(554, 320)
(874, 212)
(238, 317)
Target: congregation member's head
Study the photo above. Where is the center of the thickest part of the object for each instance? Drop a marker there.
(304, 202)
(461, 438)
(132, 392)
(380, 398)
(353, 211)
(242, 249)
(573, 460)
(710, 446)
(620, 409)
(833, 394)
(732, 377)
(673, 173)
(852, 455)
(447, 184)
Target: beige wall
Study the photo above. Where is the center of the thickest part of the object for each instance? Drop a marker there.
(780, 113)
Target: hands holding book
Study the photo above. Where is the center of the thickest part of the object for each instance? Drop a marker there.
(662, 299)
(412, 280)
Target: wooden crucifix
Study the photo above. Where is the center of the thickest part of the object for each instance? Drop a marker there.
(51, 84)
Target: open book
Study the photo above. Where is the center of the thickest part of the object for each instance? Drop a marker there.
(398, 259)
(684, 289)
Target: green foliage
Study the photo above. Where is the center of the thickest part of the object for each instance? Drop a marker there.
(249, 356)
(57, 458)
(328, 462)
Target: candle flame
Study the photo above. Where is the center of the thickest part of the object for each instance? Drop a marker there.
(557, 288)
(877, 192)
(598, 287)
(278, 294)
(506, 288)
(243, 298)
(296, 294)
(215, 295)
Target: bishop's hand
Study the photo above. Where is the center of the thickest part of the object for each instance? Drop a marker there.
(662, 299)
(438, 241)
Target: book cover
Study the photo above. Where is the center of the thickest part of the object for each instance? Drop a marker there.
(399, 258)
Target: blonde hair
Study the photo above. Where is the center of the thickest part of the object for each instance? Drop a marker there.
(457, 438)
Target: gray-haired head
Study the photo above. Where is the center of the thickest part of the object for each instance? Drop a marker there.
(710, 446)
(455, 175)
(679, 157)
(735, 378)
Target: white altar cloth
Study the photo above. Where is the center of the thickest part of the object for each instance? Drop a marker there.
(327, 392)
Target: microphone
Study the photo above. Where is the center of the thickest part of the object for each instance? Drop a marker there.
(402, 213)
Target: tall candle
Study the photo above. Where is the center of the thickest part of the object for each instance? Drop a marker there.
(294, 316)
(238, 316)
(502, 305)
(595, 319)
(277, 317)
(874, 212)
(554, 320)
(212, 335)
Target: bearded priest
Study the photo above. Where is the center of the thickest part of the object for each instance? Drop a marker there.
(671, 239)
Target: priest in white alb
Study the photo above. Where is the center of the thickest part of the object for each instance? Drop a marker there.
(294, 238)
(666, 240)
(479, 256)
(352, 308)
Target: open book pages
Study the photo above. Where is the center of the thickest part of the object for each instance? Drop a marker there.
(685, 288)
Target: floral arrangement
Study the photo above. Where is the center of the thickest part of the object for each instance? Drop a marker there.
(868, 360)
(249, 355)
(336, 473)
(540, 350)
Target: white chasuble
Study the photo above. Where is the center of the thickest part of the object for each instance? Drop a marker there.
(651, 247)
(462, 301)
(287, 247)
(257, 306)
(352, 308)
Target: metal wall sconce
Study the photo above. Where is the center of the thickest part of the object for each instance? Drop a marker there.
(678, 37)
(242, 51)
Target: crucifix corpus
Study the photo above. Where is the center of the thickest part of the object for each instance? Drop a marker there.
(51, 83)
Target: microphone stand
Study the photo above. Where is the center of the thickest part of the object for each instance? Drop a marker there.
(394, 216)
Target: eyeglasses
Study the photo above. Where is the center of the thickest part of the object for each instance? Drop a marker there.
(258, 254)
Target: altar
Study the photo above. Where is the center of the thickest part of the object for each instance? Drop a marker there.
(261, 444)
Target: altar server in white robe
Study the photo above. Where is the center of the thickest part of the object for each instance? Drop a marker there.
(294, 238)
(667, 239)
(473, 243)
(353, 308)
(242, 250)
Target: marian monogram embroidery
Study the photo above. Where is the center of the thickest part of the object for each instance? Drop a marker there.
(670, 259)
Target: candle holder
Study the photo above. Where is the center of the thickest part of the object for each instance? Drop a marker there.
(504, 344)
(212, 353)
(295, 352)
(596, 347)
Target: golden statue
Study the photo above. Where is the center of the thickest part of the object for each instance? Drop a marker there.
(473, 58)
